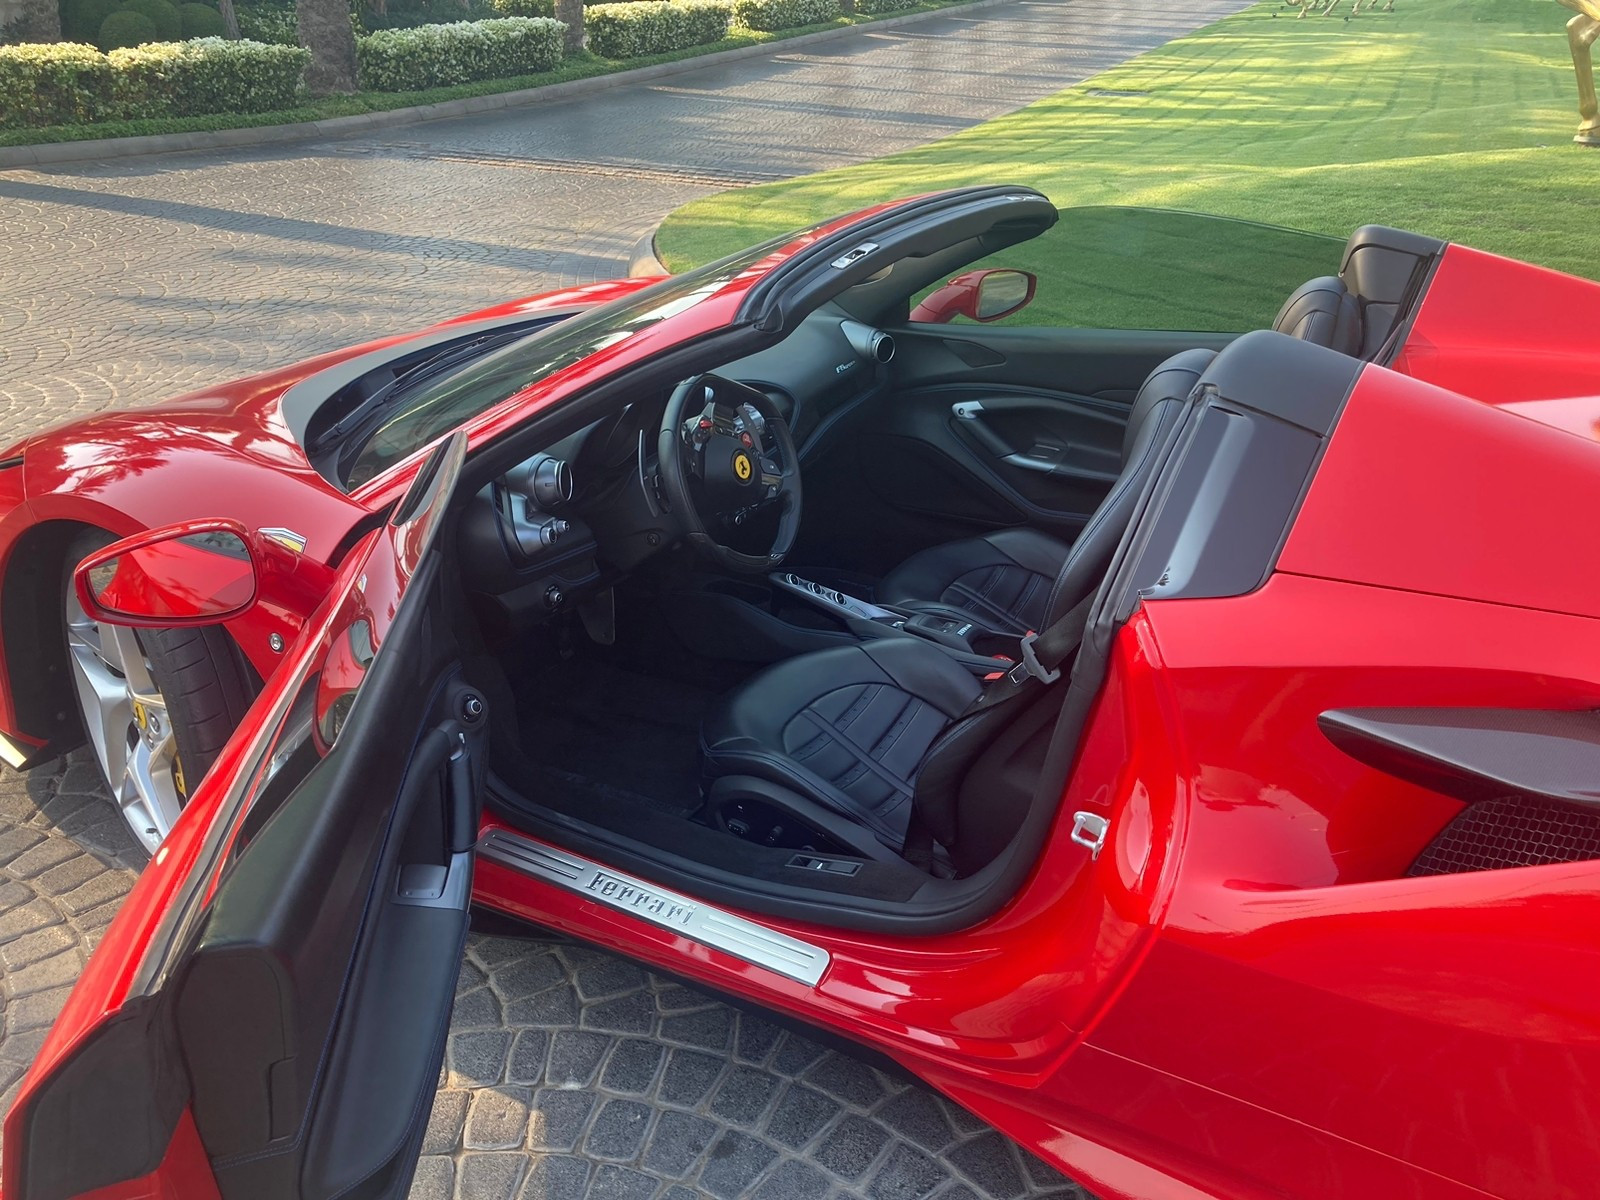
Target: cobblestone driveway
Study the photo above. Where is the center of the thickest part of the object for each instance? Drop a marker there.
(570, 1073)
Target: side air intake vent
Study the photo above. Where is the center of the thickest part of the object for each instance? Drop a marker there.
(1530, 779)
(1513, 832)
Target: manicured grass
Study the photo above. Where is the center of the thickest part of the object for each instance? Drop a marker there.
(1450, 117)
(579, 67)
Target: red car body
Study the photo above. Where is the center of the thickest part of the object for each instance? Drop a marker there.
(1243, 997)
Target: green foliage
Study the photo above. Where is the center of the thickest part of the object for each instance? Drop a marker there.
(126, 28)
(201, 20)
(58, 83)
(783, 14)
(274, 24)
(65, 84)
(1450, 117)
(163, 15)
(402, 60)
(208, 75)
(81, 19)
(873, 8)
(524, 8)
(640, 27)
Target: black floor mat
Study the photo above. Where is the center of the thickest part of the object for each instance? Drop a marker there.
(624, 735)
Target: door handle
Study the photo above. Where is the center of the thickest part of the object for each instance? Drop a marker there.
(970, 415)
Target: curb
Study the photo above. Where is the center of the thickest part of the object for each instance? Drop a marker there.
(643, 260)
(50, 153)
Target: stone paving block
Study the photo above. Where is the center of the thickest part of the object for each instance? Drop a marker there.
(793, 1180)
(60, 971)
(988, 1161)
(556, 1177)
(612, 1182)
(634, 1013)
(435, 1180)
(497, 1118)
(907, 1174)
(528, 1054)
(618, 1130)
(851, 1146)
(633, 1066)
(558, 1118)
(743, 1095)
(800, 1115)
(677, 1143)
(478, 1057)
(919, 1117)
(848, 1079)
(445, 1122)
(689, 1076)
(31, 947)
(490, 1176)
(736, 1160)
(477, 1009)
(575, 1057)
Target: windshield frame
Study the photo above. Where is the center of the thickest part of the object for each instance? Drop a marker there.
(464, 395)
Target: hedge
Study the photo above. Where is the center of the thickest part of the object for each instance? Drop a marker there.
(163, 13)
(125, 28)
(410, 60)
(524, 8)
(201, 20)
(770, 15)
(276, 25)
(56, 83)
(63, 83)
(873, 8)
(639, 27)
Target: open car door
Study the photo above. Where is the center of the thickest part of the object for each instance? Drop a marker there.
(266, 1017)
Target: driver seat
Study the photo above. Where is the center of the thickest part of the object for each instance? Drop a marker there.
(835, 738)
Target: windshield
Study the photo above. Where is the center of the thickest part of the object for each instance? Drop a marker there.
(445, 403)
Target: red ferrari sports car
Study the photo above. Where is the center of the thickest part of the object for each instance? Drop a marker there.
(1179, 748)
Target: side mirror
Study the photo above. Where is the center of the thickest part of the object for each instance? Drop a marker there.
(197, 573)
(987, 295)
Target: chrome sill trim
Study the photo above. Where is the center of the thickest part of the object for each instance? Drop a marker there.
(693, 919)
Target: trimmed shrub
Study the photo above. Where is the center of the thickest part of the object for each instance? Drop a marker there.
(524, 8)
(412, 60)
(81, 19)
(638, 27)
(274, 25)
(126, 28)
(162, 13)
(201, 20)
(872, 8)
(57, 83)
(769, 15)
(208, 75)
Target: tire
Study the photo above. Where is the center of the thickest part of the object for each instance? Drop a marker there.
(157, 705)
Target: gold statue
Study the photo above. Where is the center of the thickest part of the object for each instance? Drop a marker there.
(1581, 33)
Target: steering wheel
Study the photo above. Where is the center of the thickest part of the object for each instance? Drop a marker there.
(725, 450)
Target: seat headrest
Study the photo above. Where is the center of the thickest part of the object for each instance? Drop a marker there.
(1323, 311)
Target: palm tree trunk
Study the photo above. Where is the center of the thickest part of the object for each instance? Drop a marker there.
(571, 12)
(325, 31)
(229, 18)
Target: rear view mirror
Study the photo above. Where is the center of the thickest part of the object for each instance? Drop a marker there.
(987, 295)
(198, 573)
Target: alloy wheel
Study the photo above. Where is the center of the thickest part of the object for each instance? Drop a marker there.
(127, 722)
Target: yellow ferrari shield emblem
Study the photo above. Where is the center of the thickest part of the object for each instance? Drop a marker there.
(742, 466)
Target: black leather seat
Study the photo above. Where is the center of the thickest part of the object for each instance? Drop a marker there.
(1001, 580)
(843, 731)
(1004, 580)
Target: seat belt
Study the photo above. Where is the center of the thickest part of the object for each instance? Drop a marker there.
(1042, 657)
(946, 762)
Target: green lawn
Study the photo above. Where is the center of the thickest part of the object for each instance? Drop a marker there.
(1450, 117)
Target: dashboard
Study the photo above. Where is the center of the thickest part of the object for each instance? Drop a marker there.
(587, 510)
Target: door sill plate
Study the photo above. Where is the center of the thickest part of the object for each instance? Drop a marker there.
(683, 915)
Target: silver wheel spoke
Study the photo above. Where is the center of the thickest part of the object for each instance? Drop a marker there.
(127, 722)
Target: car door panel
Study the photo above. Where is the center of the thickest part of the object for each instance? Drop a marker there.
(285, 1003)
(1030, 420)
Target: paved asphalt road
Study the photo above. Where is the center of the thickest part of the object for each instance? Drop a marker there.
(570, 1073)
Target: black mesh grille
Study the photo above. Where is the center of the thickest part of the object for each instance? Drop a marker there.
(1512, 832)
